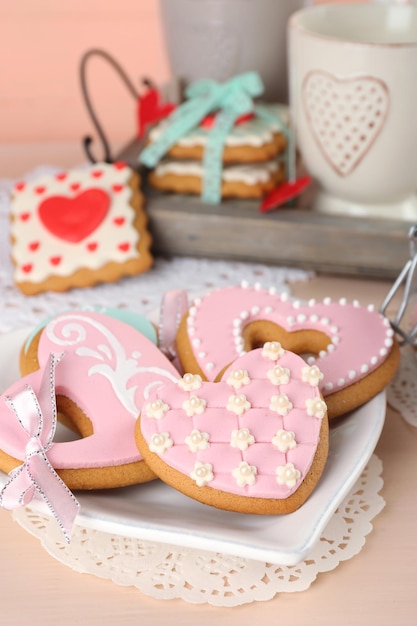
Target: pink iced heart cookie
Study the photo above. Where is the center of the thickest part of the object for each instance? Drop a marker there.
(254, 442)
(107, 370)
(353, 346)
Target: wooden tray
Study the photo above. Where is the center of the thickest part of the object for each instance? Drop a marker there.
(292, 236)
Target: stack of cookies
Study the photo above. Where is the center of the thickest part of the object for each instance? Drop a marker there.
(253, 158)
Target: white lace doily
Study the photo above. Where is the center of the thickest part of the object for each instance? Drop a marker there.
(402, 391)
(165, 571)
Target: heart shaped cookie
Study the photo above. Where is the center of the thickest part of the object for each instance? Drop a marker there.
(345, 116)
(107, 371)
(256, 441)
(353, 346)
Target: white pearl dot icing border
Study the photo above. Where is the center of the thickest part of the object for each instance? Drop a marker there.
(328, 327)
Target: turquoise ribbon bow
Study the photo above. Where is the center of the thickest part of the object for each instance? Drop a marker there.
(233, 99)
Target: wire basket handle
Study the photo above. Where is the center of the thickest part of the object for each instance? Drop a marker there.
(87, 141)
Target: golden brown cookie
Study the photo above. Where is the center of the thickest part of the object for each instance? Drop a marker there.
(238, 180)
(353, 346)
(254, 441)
(78, 228)
(105, 370)
(255, 140)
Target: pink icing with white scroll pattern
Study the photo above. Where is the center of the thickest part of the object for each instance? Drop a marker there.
(108, 370)
(254, 433)
(359, 337)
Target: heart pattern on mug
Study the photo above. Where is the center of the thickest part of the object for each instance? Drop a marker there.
(74, 218)
(345, 116)
(255, 434)
(346, 341)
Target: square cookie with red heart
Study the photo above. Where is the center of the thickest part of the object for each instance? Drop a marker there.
(78, 228)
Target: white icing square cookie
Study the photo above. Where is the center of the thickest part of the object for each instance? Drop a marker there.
(77, 228)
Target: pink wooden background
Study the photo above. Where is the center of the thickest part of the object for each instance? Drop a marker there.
(41, 45)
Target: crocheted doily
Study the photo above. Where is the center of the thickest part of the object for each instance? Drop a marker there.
(165, 571)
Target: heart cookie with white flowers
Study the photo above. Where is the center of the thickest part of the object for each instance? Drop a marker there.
(78, 227)
(345, 116)
(353, 346)
(256, 441)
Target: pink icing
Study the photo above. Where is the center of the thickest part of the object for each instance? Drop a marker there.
(108, 370)
(359, 338)
(219, 422)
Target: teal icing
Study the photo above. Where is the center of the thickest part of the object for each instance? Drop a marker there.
(135, 320)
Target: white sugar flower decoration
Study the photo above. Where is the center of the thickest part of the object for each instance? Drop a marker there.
(238, 404)
(284, 440)
(287, 474)
(273, 350)
(194, 406)
(316, 407)
(241, 439)
(279, 375)
(160, 442)
(281, 404)
(202, 473)
(190, 382)
(156, 409)
(238, 378)
(312, 375)
(244, 474)
(197, 440)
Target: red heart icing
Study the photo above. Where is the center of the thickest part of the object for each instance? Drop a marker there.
(119, 221)
(124, 247)
(33, 246)
(55, 260)
(92, 246)
(24, 217)
(39, 190)
(74, 219)
(256, 434)
(27, 268)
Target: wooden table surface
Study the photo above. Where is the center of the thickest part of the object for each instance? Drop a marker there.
(378, 586)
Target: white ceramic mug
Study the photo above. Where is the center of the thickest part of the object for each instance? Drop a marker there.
(220, 38)
(353, 105)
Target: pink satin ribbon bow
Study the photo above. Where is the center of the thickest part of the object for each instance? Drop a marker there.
(37, 415)
(174, 305)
